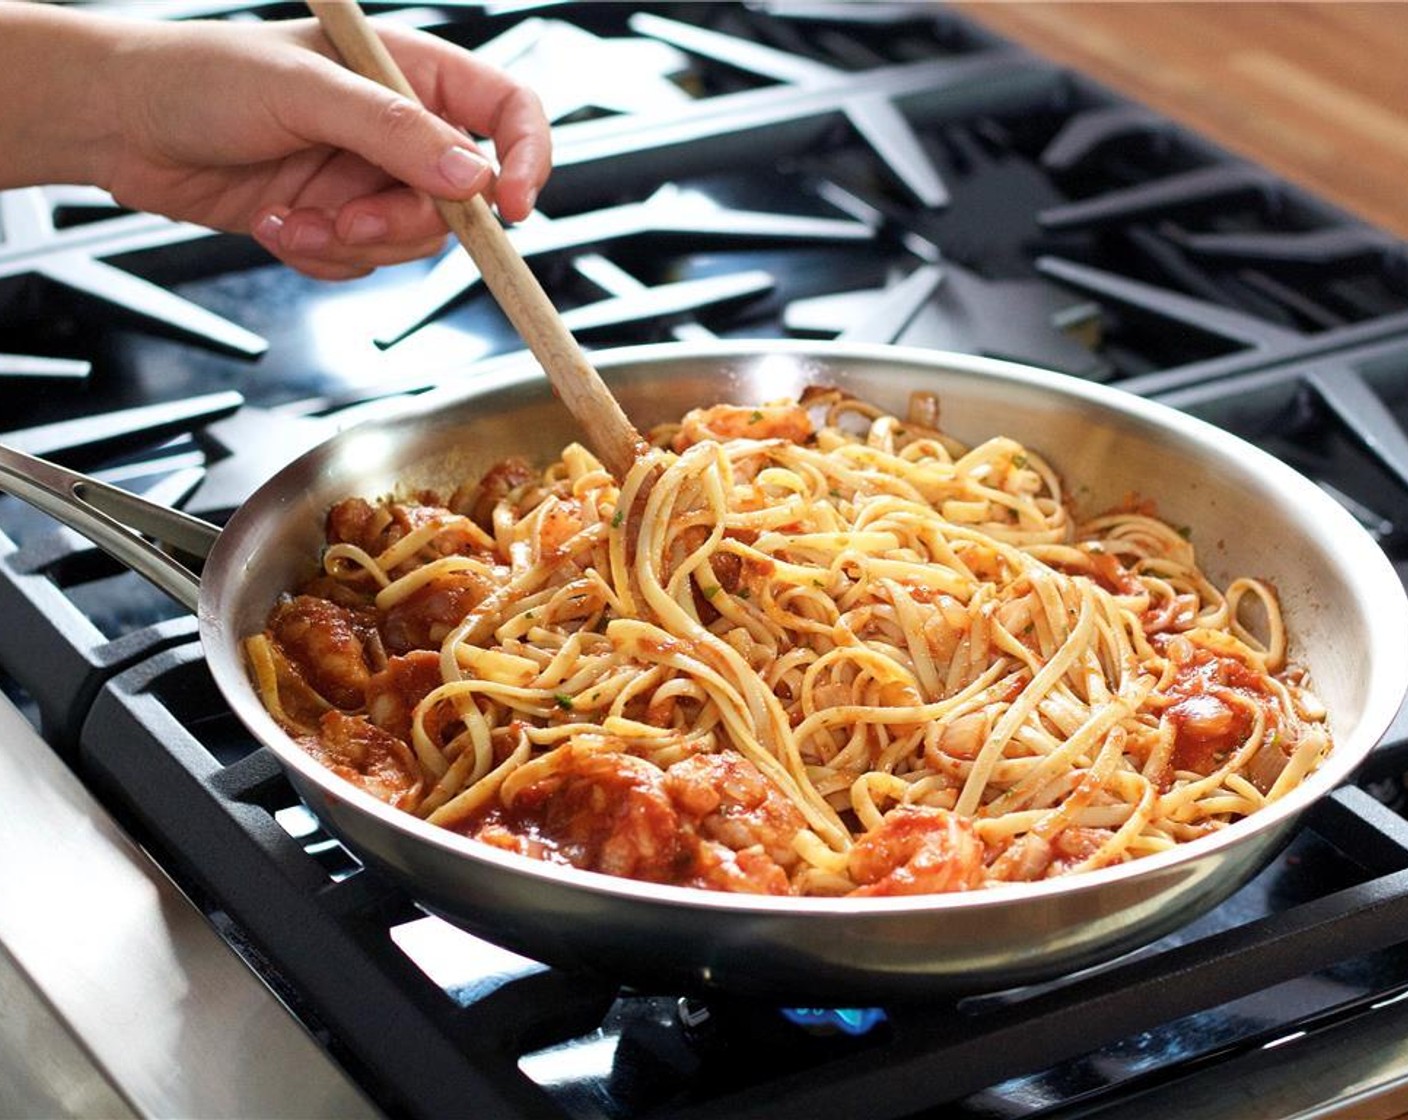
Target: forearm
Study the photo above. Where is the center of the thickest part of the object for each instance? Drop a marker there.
(56, 118)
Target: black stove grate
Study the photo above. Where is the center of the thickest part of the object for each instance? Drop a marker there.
(1068, 228)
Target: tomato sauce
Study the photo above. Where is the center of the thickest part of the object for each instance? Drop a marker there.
(1209, 709)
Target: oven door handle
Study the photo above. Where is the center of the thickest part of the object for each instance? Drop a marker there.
(117, 521)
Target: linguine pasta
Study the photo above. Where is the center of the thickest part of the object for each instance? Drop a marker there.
(802, 648)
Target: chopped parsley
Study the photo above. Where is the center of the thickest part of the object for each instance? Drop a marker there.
(618, 517)
(756, 417)
(563, 701)
(711, 591)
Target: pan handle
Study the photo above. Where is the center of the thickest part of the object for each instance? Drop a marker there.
(115, 520)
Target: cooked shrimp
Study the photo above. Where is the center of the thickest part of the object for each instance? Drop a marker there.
(423, 618)
(499, 481)
(744, 824)
(598, 810)
(725, 421)
(327, 644)
(709, 821)
(374, 529)
(718, 867)
(368, 757)
(732, 803)
(917, 849)
(393, 693)
(561, 520)
(961, 737)
(357, 521)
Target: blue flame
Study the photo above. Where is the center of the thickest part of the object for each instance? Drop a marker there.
(853, 1021)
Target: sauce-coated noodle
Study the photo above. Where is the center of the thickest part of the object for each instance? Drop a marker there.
(802, 648)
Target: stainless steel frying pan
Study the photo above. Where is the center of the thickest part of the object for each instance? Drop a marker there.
(1249, 515)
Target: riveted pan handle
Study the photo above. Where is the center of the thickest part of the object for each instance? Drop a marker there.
(116, 521)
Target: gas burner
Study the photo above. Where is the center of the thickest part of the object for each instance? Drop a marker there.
(871, 112)
(670, 211)
(246, 448)
(243, 449)
(78, 256)
(551, 57)
(1173, 307)
(948, 307)
(1338, 418)
(101, 433)
(760, 99)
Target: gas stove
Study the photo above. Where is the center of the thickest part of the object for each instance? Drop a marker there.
(874, 172)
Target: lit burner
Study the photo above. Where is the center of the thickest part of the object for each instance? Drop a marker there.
(854, 1021)
(76, 256)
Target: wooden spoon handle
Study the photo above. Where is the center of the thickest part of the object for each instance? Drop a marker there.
(505, 273)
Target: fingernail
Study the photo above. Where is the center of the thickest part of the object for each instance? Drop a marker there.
(266, 231)
(463, 169)
(309, 237)
(366, 227)
(530, 200)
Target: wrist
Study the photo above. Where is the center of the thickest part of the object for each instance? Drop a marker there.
(58, 117)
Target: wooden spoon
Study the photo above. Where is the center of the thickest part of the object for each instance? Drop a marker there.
(505, 273)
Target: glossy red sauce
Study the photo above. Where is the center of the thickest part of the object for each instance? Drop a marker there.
(1208, 721)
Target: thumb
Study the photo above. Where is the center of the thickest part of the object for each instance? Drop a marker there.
(336, 107)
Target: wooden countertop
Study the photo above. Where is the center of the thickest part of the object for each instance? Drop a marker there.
(1315, 91)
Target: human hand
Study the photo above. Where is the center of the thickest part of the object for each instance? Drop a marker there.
(256, 128)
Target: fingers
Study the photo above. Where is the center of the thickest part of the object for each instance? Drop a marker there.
(426, 147)
(398, 216)
(332, 106)
(523, 144)
(391, 228)
(366, 201)
(488, 102)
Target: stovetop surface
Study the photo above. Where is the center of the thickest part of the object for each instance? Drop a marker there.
(923, 183)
